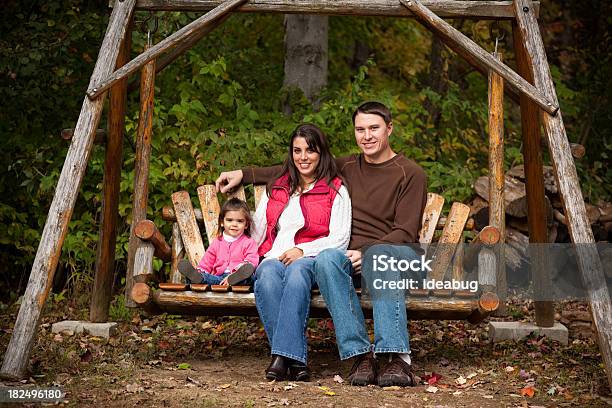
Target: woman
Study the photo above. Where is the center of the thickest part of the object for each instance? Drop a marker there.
(305, 210)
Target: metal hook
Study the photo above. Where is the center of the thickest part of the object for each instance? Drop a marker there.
(145, 26)
(155, 24)
(500, 34)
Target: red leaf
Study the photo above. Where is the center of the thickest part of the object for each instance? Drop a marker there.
(432, 379)
(528, 391)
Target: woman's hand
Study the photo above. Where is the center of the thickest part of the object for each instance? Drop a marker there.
(291, 255)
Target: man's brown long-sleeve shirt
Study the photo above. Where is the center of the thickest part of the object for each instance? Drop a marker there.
(388, 198)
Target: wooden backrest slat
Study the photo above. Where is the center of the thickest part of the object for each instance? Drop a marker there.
(451, 235)
(238, 193)
(190, 233)
(431, 215)
(178, 253)
(210, 209)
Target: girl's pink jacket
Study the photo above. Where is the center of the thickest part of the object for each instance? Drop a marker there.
(224, 256)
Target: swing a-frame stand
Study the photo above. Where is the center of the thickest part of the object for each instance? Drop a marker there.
(533, 83)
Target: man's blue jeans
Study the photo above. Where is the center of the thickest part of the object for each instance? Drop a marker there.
(333, 273)
(282, 295)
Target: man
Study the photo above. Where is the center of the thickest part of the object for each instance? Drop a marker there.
(388, 193)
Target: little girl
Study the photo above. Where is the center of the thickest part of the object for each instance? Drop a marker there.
(232, 256)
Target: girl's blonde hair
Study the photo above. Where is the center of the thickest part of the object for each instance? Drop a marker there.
(235, 204)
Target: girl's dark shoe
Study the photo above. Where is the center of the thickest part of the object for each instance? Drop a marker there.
(187, 270)
(299, 371)
(277, 370)
(242, 273)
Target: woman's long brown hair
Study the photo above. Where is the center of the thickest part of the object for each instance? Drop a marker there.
(316, 140)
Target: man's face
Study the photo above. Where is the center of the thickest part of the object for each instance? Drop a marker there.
(372, 136)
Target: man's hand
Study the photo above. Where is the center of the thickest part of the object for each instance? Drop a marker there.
(291, 255)
(355, 257)
(228, 180)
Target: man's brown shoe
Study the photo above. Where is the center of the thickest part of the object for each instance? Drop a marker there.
(364, 370)
(397, 372)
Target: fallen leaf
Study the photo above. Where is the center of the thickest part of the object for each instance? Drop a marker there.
(86, 357)
(338, 379)
(224, 386)
(528, 391)
(192, 380)
(509, 369)
(552, 390)
(460, 380)
(431, 389)
(471, 375)
(524, 374)
(183, 366)
(487, 396)
(432, 378)
(134, 388)
(457, 393)
(392, 388)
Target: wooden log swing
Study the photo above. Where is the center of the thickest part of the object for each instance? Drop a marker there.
(538, 101)
(179, 298)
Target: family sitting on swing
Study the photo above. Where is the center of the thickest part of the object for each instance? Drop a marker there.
(311, 229)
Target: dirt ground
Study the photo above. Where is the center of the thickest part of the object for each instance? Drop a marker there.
(174, 361)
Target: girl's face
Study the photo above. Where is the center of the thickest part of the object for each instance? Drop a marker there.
(234, 223)
(305, 159)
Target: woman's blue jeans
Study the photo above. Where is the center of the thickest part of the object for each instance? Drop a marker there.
(333, 273)
(282, 295)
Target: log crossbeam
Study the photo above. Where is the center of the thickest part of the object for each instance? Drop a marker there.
(475, 55)
(488, 9)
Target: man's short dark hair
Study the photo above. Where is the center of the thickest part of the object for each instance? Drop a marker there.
(374, 108)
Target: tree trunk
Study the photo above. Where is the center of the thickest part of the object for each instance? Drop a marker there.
(438, 82)
(305, 57)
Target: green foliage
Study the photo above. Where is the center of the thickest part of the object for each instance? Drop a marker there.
(118, 311)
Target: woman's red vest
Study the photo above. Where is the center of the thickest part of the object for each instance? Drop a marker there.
(316, 207)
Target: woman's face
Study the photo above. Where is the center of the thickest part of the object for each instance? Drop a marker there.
(305, 159)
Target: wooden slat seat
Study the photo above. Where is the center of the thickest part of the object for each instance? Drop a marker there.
(179, 298)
